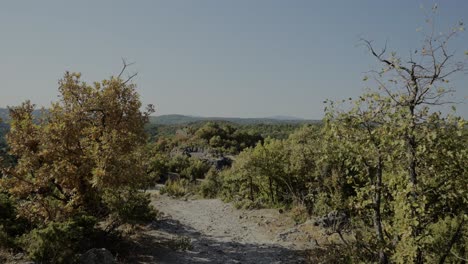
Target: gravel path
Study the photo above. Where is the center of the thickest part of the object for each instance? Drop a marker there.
(215, 232)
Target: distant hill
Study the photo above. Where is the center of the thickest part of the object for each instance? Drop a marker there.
(183, 119)
(5, 114)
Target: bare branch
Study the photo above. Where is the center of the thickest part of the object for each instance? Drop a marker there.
(124, 67)
(129, 78)
(379, 56)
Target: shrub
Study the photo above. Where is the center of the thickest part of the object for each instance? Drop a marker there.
(339, 253)
(176, 188)
(196, 169)
(299, 213)
(211, 186)
(129, 206)
(58, 242)
(5, 239)
(11, 226)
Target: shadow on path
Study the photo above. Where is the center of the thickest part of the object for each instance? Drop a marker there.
(160, 242)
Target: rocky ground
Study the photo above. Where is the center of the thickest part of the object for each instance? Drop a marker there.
(210, 231)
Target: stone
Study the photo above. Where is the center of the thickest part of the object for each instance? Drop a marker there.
(97, 256)
(335, 220)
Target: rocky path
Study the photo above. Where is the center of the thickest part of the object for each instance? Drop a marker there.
(210, 231)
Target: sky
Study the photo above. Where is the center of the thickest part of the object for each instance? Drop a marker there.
(243, 58)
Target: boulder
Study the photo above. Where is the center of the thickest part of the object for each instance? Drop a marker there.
(97, 256)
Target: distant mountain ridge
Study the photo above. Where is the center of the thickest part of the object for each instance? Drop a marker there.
(184, 119)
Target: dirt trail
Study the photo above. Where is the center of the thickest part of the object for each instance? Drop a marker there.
(219, 233)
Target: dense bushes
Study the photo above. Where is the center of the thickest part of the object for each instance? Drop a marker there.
(226, 138)
(337, 169)
(278, 172)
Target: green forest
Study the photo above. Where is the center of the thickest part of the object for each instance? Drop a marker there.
(387, 172)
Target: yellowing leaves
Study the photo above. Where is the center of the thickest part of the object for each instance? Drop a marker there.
(82, 149)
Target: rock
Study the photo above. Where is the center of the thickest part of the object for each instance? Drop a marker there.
(335, 220)
(97, 256)
(18, 256)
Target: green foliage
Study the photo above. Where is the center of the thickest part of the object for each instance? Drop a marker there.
(11, 226)
(58, 242)
(278, 172)
(339, 253)
(233, 135)
(212, 185)
(196, 169)
(226, 138)
(176, 188)
(368, 145)
(129, 206)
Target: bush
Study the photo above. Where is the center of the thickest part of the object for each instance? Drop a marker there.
(11, 226)
(337, 253)
(211, 186)
(5, 239)
(176, 188)
(59, 242)
(196, 169)
(129, 206)
(299, 213)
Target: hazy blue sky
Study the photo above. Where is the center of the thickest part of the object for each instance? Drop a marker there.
(247, 58)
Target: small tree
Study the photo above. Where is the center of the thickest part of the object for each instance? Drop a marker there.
(81, 157)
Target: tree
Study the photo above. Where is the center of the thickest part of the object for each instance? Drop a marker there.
(394, 141)
(80, 157)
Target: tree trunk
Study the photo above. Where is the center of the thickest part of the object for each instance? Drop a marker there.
(413, 176)
(377, 207)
